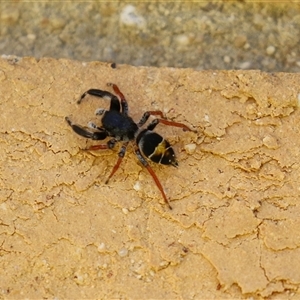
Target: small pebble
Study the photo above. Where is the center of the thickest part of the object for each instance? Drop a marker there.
(182, 40)
(125, 211)
(130, 17)
(123, 252)
(190, 148)
(227, 59)
(245, 65)
(270, 142)
(270, 50)
(101, 247)
(137, 186)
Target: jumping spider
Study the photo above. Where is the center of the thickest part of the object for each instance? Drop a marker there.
(117, 124)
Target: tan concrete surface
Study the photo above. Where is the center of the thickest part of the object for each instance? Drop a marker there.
(234, 231)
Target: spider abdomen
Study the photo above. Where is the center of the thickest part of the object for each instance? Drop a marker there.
(119, 125)
(156, 148)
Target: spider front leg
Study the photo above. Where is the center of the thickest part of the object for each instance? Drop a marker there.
(97, 135)
(124, 103)
(156, 180)
(114, 101)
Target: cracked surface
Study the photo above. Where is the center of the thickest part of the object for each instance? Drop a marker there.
(234, 228)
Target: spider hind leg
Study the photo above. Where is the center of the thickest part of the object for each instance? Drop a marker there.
(155, 178)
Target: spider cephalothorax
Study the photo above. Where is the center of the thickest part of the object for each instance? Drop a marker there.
(117, 124)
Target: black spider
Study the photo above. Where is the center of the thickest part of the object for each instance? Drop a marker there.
(117, 124)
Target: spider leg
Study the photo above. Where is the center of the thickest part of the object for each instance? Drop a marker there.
(97, 135)
(100, 111)
(147, 114)
(109, 145)
(154, 123)
(94, 126)
(114, 101)
(116, 166)
(156, 180)
(124, 103)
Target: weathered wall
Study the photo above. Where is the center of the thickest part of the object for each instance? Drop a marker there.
(234, 228)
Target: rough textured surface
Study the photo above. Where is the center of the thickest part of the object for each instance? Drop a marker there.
(234, 228)
(194, 34)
